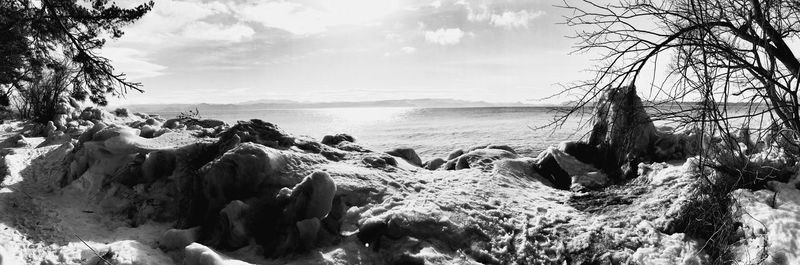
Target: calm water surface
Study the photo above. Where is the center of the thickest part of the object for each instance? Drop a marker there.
(432, 132)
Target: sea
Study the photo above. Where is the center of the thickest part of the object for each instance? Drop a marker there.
(431, 132)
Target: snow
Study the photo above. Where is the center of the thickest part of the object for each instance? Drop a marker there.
(470, 216)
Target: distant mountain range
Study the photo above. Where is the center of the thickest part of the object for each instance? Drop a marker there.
(289, 104)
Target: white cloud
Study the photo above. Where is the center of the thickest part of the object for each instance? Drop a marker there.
(444, 36)
(206, 31)
(507, 19)
(510, 19)
(291, 17)
(302, 19)
(133, 63)
(408, 50)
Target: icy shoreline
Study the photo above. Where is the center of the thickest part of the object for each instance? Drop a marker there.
(386, 210)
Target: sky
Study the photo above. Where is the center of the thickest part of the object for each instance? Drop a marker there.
(230, 51)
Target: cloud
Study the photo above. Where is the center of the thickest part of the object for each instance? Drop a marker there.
(133, 63)
(511, 20)
(408, 50)
(444, 37)
(206, 31)
(307, 19)
(291, 17)
(506, 19)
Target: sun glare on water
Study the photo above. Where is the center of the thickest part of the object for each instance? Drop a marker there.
(365, 115)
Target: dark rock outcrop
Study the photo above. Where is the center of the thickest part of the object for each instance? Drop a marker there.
(482, 158)
(333, 140)
(434, 164)
(407, 154)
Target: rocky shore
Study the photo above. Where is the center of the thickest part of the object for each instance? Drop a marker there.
(96, 187)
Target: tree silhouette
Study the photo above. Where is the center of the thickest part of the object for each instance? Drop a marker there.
(37, 37)
(732, 61)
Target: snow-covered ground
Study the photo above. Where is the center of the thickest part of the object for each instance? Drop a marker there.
(469, 216)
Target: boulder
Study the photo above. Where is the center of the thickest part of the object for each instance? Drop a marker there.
(49, 129)
(205, 123)
(376, 161)
(547, 167)
(333, 140)
(148, 131)
(501, 147)
(172, 124)
(624, 128)
(408, 154)
(579, 173)
(351, 147)
(483, 158)
(158, 165)
(258, 131)
(153, 122)
(455, 154)
(520, 168)
(434, 164)
(162, 131)
(91, 113)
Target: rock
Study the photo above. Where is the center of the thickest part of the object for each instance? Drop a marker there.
(313, 197)
(16, 141)
(307, 144)
(351, 147)
(91, 113)
(408, 154)
(153, 122)
(178, 238)
(234, 219)
(49, 129)
(149, 131)
(307, 232)
(501, 147)
(579, 173)
(141, 115)
(476, 147)
(89, 134)
(161, 132)
(158, 165)
(205, 123)
(194, 127)
(455, 154)
(520, 168)
(375, 161)
(434, 164)
(258, 131)
(624, 128)
(172, 123)
(333, 140)
(482, 158)
(371, 232)
(547, 166)
(60, 121)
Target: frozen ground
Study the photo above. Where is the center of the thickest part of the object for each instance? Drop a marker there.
(498, 215)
